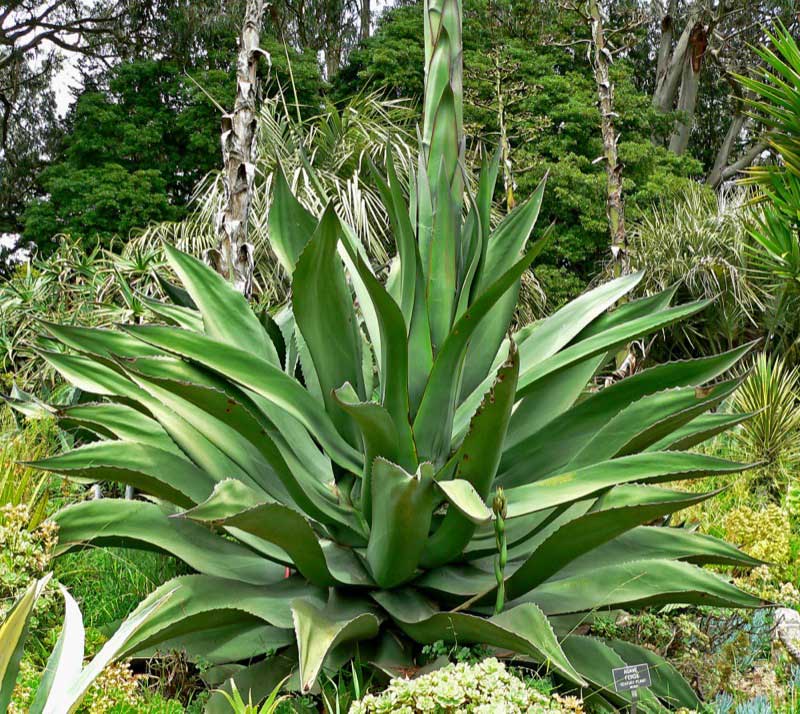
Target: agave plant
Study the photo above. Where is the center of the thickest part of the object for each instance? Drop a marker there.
(357, 436)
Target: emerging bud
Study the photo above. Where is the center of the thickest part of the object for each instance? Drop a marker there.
(499, 504)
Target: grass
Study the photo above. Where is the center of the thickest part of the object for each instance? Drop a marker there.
(110, 582)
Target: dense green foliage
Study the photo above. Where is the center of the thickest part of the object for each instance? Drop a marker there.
(140, 141)
(133, 155)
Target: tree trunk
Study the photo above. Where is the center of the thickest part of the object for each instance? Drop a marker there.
(690, 83)
(332, 57)
(671, 61)
(665, 45)
(233, 255)
(723, 156)
(615, 206)
(366, 19)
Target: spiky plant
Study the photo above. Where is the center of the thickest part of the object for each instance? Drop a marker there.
(699, 239)
(358, 436)
(774, 99)
(772, 435)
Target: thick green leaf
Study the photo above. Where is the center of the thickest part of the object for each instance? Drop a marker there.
(547, 337)
(626, 311)
(590, 530)
(441, 274)
(210, 443)
(290, 224)
(118, 421)
(397, 210)
(697, 431)
(604, 342)
(648, 542)
(555, 443)
(402, 507)
(476, 463)
(236, 506)
(100, 341)
(505, 244)
(379, 438)
(176, 293)
(549, 398)
(291, 467)
(201, 601)
(140, 524)
(466, 500)
(90, 376)
(227, 316)
(637, 584)
(649, 419)
(323, 310)
(176, 314)
(259, 376)
(433, 424)
(651, 467)
(524, 629)
(160, 473)
(245, 639)
(393, 360)
(319, 630)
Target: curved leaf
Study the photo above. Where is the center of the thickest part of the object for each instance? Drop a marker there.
(135, 523)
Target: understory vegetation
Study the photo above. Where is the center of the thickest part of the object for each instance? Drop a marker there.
(472, 377)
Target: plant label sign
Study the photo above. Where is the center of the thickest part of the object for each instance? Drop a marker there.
(631, 678)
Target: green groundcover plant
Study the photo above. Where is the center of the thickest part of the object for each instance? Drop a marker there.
(418, 471)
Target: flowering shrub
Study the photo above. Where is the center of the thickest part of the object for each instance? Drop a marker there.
(483, 688)
(764, 534)
(115, 690)
(761, 581)
(25, 555)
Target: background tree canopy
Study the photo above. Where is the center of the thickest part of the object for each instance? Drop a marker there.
(143, 130)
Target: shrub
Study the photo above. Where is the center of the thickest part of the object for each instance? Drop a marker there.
(765, 534)
(25, 555)
(483, 688)
(21, 485)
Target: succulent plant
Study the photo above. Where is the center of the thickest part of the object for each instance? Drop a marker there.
(357, 438)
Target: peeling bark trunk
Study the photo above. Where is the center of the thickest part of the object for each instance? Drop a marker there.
(690, 83)
(669, 81)
(615, 205)
(233, 255)
(665, 46)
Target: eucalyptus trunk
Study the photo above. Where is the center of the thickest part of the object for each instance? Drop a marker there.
(233, 255)
(366, 19)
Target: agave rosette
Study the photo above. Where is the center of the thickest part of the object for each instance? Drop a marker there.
(357, 436)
